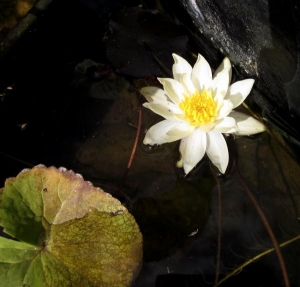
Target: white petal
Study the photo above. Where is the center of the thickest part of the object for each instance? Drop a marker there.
(167, 131)
(246, 124)
(238, 91)
(164, 108)
(179, 131)
(173, 89)
(225, 109)
(219, 99)
(217, 150)
(181, 66)
(220, 83)
(187, 84)
(207, 127)
(224, 65)
(226, 125)
(152, 93)
(192, 150)
(201, 74)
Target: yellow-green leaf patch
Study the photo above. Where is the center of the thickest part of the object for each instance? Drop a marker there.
(70, 233)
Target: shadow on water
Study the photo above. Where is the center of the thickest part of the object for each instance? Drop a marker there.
(58, 108)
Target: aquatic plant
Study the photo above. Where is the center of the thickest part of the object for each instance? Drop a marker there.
(69, 232)
(198, 108)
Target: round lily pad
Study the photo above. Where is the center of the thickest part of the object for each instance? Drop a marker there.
(70, 233)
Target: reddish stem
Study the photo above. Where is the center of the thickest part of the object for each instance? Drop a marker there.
(269, 230)
(133, 149)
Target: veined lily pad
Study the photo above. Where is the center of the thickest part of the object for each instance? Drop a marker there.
(71, 233)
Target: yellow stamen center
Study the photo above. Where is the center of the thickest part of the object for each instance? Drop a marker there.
(200, 108)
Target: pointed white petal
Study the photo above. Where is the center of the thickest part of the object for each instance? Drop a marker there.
(192, 150)
(226, 125)
(179, 131)
(220, 83)
(173, 89)
(217, 150)
(238, 91)
(246, 124)
(224, 65)
(157, 133)
(181, 66)
(187, 84)
(152, 93)
(225, 109)
(167, 131)
(201, 74)
(165, 109)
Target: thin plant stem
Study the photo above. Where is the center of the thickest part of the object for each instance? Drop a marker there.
(219, 228)
(17, 159)
(138, 132)
(269, 230)
(245, 264)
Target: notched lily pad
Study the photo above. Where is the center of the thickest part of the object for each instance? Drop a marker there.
(71, 233)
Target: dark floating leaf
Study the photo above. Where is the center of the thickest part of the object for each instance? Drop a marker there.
(98, 81)
(139, 42)
(174, 218)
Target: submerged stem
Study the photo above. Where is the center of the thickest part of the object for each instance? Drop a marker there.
(219, 228)
(238, 269)
(17, 159)
(269, 230)
(133, 149)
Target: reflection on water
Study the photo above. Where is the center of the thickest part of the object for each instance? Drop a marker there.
(179, 217)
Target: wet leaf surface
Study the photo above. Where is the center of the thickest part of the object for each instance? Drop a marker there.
(71, 233)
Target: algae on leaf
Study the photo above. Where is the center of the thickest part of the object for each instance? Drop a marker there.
(71, 233)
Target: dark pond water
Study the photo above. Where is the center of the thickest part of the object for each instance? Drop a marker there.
(59, 107)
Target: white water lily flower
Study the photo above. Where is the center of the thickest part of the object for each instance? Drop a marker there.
(198, 108)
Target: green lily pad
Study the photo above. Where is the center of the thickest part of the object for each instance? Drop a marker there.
(70, 233)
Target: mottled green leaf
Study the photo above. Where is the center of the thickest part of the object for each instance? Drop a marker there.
(15, 261)
(116, 247)
(22, 207)
(71, 233)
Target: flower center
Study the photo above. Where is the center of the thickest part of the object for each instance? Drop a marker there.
(199, 109)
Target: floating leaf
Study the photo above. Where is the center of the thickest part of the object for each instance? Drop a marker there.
(148, 34)
(71, 233)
